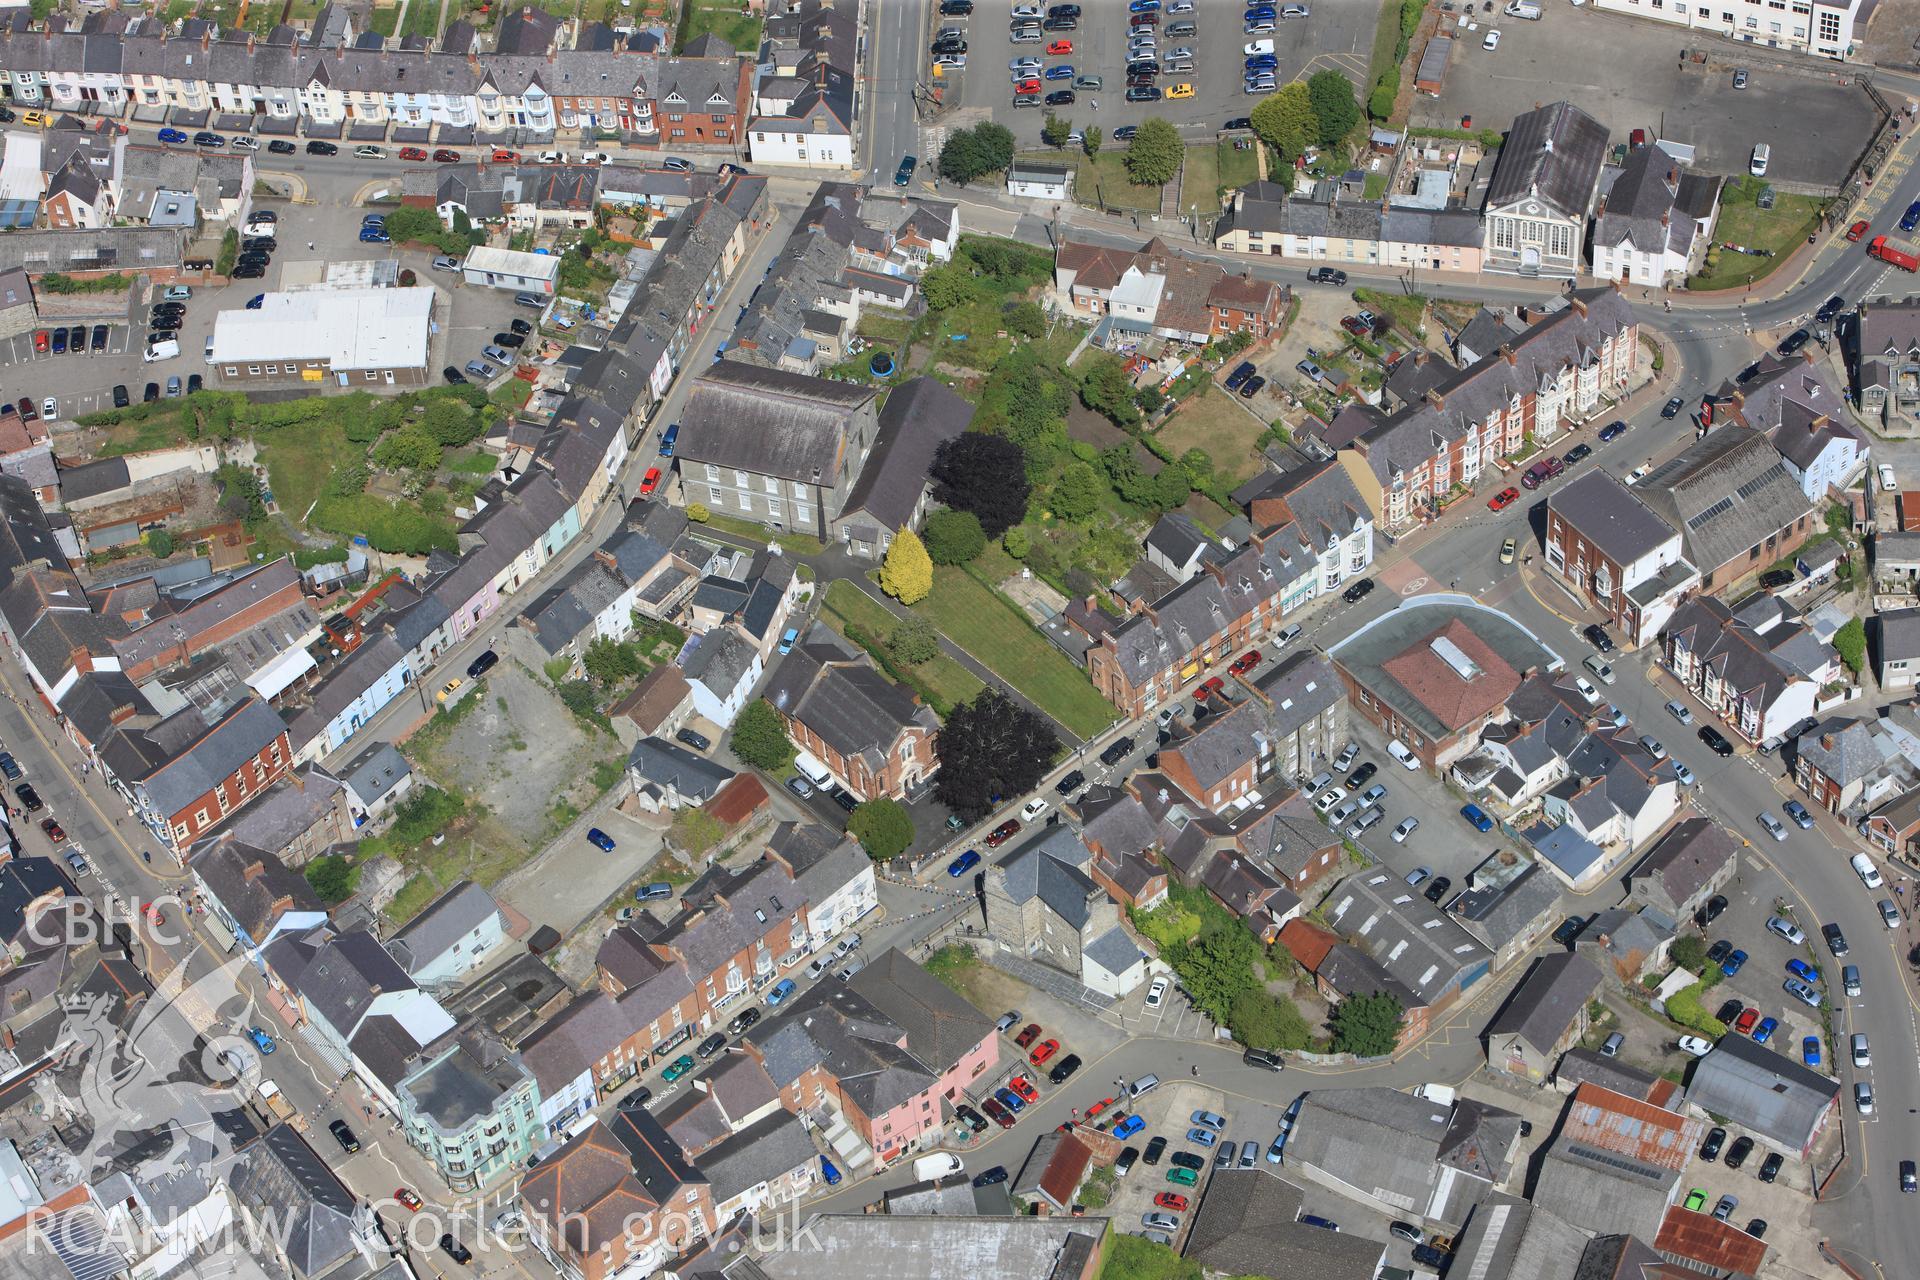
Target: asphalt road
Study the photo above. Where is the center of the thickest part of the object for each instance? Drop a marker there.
(896, 57)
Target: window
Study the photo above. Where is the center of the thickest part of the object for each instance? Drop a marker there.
(200, 818)
(253, 370)
(740, 480)
(272, 370)
(801, 513)
(773, 507)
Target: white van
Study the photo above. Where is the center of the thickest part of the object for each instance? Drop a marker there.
(165, 349)
(1864, 868)
(1523, 9)
(1758, 165)
(812, 770)
(1399, 752)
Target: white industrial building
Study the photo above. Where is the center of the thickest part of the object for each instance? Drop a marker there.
(511, 269)
(352, 336)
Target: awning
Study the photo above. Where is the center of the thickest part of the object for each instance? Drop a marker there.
(286, 667)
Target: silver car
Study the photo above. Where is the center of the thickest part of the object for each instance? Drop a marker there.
(1346, 809)
(1773, 826)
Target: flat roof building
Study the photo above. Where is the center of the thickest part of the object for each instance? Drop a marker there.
(512, 269)
(353, 337)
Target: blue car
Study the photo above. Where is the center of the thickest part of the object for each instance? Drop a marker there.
(1259, 12)
(667, 437)
(1059, 73)
(1612, 431)
(374, 235)
(256, 302)
(1010, 1100)
(1263, 62)
(781, 990)
(1764, 1032)
(1479, 820)
(964, 863)
(1733, 962)
(1205, 1137)
(1129, 1126)
(1143, 6)
(827, 1171)
(1911, 218)
(261, 1040)
(172, 135)
(1810, 1051)
(599, 839)
(1802, 970)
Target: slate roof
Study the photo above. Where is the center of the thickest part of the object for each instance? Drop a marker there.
(1642, 206)
(1051, 868)
(1724, 493)
(833, 1027)
(1686, 857)
(344, 975)
(1398, 1148)
(721, 659)
(1610, 515)
(447, 920)
(1730, 649)
(918, 417)
(843, 698)
(251, 883)
(770, 1147)
(283, 1180)
(1548, 1000)
(375, 771)
(1845, 749)
(1418, 944)
(92, 479)
(1553, 153)
(769, 422)
(662, 762)
(1758, 1089)
(726, 912)
(941, 1028)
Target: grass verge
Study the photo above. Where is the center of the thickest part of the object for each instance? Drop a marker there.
(1742, 221)
(855, 614)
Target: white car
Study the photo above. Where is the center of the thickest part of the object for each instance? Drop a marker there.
(1587, 691)
(1033, 809)
(1653, 747)
(1294, 11)
(50, 408)
(1694, 1045)
(1258, 46)
(1348, 754)
(369, 152)
(246, 142)
(1887, 483)
(1492, 41)
(1157, 992)
(553, 157)
(1406, 828)
(1026, 11)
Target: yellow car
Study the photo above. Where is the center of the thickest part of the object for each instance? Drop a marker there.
(1181, 90)
(35, 118)
(1506, 551)
(449, 688)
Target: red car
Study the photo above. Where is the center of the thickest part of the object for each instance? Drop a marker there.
(1042, 1051)
(40, 340)
(408, 1199)
(501, 156)
(27, 412)
(55, 834)
(1744, 1023)
(1503, 499)
(413, 153)
(1060, 47)
(1356, 326)
(1003, 833)
(444, 156)
(1027, 86)
(1028, 1035)
(650, 481)
(1168, 1200)
(1858, 230)
(997, 1113)
(1245, 662)
(1024, 1087)
(1211, 686)
(1100, 1106)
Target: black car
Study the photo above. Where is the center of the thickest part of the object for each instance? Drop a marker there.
(453, 376)
(1327, 275)
(1429, 1255)
(249, 271)
(1774, 579)
(261, 244)
(1770, 1167)
(1156, 1147)
(1146, 93)
(711, 1045)
(1437, 888)
(1116, 751)
(1241, 372)
(319, 148)
(1239, 122)
(844, 798)
(1719, 951)
(521, 327)
(698, 741)
(1757, 1228)
(1071, 783)
(1714, 908)
(120, 397)
(1262, 1058)
(1362, 776)
(1597, 637)
(99, 342)
(166, 311)
(205, 139)
(194, 383)
(1251, 387)
(506, 339)
(1186, 1160)
(1357, 590)
(1836, 940)
(1729, 1010)
(1569, 930)
(1064, 1068)
(77, 339)
(455, 1250)
(971, 1118)
(1909, 1178)
(955, 8)
(1060, 98)
(344, 1136)
(151, 394)
(990, 1177)
(29, 798)
(1716, 1139)
(1830, 308)
(1794, 341)
(1124, 1165)
(1125, 132)
(482, 664)
(1716, 741)
(1737, 1154)
(1671, 409)
(1579, 453)
(281, 147)
(251, 258)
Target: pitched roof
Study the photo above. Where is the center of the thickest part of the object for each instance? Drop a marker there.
(1761, 1090)
(920, 415)
(1548, 1000)
(1724, 493)
(1414, 940)
(843, 698)
(252, 885)
(1610, 515)
(1553, 153)
(770, 1147)
(666, 763)
(941, 1028)
(1687, 856)
(769, 422)
(445, 923)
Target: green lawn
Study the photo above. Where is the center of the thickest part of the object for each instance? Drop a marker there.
(301, 458)
(1742, 221)
(1213, 170)
(998, 636)
(1101, 181)
(1213, 422)
(944, 676)
(798, 543)
(724, 19)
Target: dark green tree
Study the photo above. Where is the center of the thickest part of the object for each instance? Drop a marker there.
(1850, 642)
(1154, 156)
(1335, 109)
(1055, 130)
(992, 746)
(331, 877)
(610, 661)
(883, 827)
(760, 737)
(1107, 390)
(1026, 319)
(948, 286)
(160, 543)
(984, 474)
(954, 537)
(1091, 140)
(1367, 1026)
(1216, 967)
(1076, 495)
(913, 641)
(1261, 1020)
(1689, 951)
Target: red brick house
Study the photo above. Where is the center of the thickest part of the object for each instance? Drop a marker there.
(873, 736)
(193, 790)
(619, 1199)
(1894, 828)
